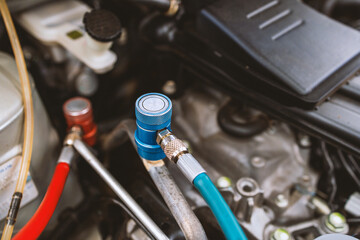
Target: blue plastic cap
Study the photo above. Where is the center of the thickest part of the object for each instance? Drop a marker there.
(154, 110)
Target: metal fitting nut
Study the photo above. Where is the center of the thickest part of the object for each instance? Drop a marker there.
(336, 222)
(320, 206)
(281, 201)
(74, 134)
(161, 135)
(280, 234)
(223, 182)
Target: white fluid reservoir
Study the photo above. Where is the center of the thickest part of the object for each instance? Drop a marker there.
(45, 147)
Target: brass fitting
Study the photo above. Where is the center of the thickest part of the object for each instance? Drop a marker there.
(75, 133)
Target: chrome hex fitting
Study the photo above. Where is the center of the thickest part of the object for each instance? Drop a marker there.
(336, 223)
(74, 133)
(162, 134)
(280, 234)
(172, 146)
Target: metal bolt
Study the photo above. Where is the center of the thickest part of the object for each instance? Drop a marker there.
(74, 134)
(258, 162)
(336, 222)
(304, 140)
(169, 87)
(223, 182)
(162, 134)
(320, 206)
(281, 201)
(280, 234)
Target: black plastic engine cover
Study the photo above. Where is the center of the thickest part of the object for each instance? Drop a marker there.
(307, 54)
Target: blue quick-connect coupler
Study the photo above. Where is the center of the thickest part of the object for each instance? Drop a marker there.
(153, 112)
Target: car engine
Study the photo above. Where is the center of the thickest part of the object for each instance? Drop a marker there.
(180, 119)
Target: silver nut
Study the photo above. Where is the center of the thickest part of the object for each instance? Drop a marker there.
(248, 187)
(281, 201)
(169, 87)
(162, 134)
(336, 222)
(320, 206)
(74, 134)
(280, 234)
(223, 182)
(304, 140)
(258, 162)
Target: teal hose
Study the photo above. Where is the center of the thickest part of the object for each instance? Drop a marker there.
(219, 207)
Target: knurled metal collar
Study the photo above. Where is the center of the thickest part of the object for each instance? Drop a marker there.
(174, 148)
(171, 145)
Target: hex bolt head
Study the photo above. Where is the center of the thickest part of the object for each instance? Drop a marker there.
(281, 201)
(223, 182)
(280, 234)
(258, 162)
(169, 87)
(336, 222)
(304, 140)
(162, 134)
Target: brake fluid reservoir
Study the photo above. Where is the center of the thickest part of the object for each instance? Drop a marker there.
(11, 137)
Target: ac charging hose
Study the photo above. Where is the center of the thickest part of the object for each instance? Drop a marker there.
(155, 141)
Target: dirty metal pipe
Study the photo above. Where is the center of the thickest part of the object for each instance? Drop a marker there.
(174, 199)
(119, 191)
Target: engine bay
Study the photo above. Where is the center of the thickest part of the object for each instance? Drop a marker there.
(180, 119)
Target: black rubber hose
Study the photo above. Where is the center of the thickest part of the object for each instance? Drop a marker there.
(248, 127)
(331, 174)
(127, 210)
(349, 168)
(162, 5)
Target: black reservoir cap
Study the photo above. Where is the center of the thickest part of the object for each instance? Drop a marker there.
(102, 25)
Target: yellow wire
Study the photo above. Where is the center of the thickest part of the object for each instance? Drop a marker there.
(28, 108)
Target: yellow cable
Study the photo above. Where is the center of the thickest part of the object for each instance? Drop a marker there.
(28, 121)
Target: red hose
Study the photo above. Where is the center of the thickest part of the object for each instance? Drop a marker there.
(40, 219)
